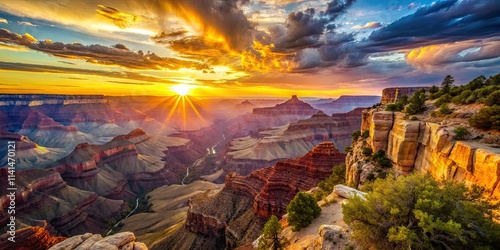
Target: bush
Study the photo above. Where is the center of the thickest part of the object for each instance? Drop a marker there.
(433, 89)
(444, 110)
(367, 151)
(356, 135)
(414, 118)
(302, 210)
(337, 177)
(442, 100)
(365, 134)
(348, 150)
(370, 177)
(416, 103)
(271, 235)
(417, 212)
(461, 133)
(493, 98)
(394, 107)
(486, 118)
(380, 158)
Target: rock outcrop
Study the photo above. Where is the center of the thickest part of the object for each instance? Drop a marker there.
(88, 241)
(43, 198)
(392, 95)
(293, 106)
(250, 153)
(346, 103)
(425, 146)
(249, 200)
(32, 238)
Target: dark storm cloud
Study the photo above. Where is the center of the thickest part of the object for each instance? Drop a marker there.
(118, 54)
(26, 67)
(304, 28)
(442, 22)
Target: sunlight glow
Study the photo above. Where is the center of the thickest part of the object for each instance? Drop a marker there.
(181, 89)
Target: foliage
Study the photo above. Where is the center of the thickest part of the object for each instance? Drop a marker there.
(442, 100)
(367, 151)
(348, 149)
(270, 238)
(486, 118)
(302, 210)
(337, 177)
(447, 83)
(399, 105)
(414, 118)
(416, 103)
(433, 89)
(417, 212)
(356, 135)
(380, 158)
(493, 98)
(365, 134)
(461, 133)
(444, 109)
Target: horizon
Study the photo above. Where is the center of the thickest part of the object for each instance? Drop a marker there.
(244, 49)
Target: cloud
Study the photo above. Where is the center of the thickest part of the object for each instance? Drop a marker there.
(370, 25)
(118, 54)
(119, 18)
(26, 23)
(26, 67)
(3, 20)
(443, 22)
(443, 54)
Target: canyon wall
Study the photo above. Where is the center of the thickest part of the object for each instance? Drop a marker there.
(250, 200)
(391, 95)
(425, 146)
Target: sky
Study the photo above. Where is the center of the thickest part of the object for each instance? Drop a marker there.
(244, 48)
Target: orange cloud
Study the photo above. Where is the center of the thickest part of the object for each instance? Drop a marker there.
(261, 58)
(119, 18)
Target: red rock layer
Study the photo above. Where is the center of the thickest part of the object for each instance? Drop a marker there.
(30, 238)
(274, 187)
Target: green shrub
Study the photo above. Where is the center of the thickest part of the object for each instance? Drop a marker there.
(356, 135)
(447, 83)
(337, 177)
(442, 100)
(365, 134)
(270, 236)
(493, 98)
(348, 150)
(394, 107)
(380, 158)
(416, 103)
(302, 210)
(486, 118)
(461, 133)
(367, 151)
(414, 118)
(370, 177)
(433, 89)
(445, 110)
(418, 212)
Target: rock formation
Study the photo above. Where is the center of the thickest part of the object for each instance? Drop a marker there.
(293, 106)
(43, 198)
(392, 95)
(346, 103)
(32, 238)
(263, 193)
(426, 146)
(250, 153)
(88, 241)
(245, 106)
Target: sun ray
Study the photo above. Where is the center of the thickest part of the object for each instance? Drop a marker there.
(195, 110)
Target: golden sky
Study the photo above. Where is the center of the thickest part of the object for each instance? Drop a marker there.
(243, 48)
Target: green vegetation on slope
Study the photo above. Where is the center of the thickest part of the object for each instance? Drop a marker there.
(302, 210)
(326, 186)
(270, 237)
(417, 212)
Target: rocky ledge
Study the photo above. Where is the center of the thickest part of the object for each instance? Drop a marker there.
(88, 241)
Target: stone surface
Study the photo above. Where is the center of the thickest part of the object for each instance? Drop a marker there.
(121, 241)
(347, 192)
(392, 95)
(380, 127)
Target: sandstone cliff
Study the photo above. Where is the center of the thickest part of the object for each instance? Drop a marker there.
(391, 95)
(429, 146)
(88, 241)
(30, 238)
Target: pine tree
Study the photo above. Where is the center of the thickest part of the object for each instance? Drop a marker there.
(270, 235)
(302, 210)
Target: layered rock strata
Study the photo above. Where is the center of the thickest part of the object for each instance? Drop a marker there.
(88, 241)
(392, 95)
(249, 200)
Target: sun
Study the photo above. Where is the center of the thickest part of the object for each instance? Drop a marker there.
(181, 89)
